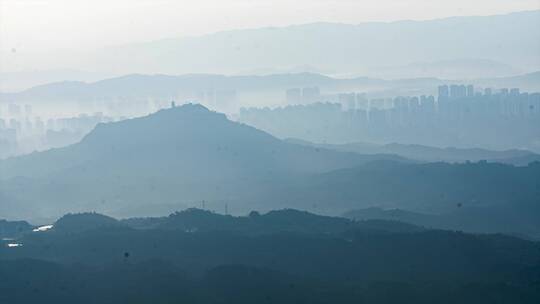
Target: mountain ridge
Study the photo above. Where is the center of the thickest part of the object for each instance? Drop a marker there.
(361, 45)
(187, 153)
(425, 153)
(162, 85)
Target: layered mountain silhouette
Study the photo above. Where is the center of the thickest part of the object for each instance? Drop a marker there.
(518, 223)
(190, 141)
(276, 221)
(182, 154)
(466, 68)
(189, 156)
(136, 85)
(284, 256)
(165, 86)
(432, 154)
(337, 47)
(479, 197)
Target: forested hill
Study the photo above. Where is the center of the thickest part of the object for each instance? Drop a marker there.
(286, 255)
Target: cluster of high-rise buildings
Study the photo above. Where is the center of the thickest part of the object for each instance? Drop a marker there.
(303, 95)
(460, 100)
(459, 116)
(450, 98)
(22, 132)
(24, 129)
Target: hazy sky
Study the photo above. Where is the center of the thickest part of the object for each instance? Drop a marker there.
(37, 25)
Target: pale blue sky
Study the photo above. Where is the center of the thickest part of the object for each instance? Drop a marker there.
(41, 25)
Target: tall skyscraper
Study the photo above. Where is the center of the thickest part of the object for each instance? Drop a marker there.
(311, 94)
(293, 96)
(348, 100)
(443, 92)
(458, 91)
(362, 101)
(470, 90)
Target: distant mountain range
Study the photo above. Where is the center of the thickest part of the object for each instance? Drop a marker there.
(140, 86)
(451, 48)
(177, 156)
(465, 69)
(18, 81)
(343, 48)
(269, 89)
(189, 156)
(433, 154)
(463, 220)
(474, 197)
(529, 81)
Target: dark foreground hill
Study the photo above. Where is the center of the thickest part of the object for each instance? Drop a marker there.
(12, 229)
(279, 257)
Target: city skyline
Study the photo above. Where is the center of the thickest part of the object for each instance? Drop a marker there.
(23, 130)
